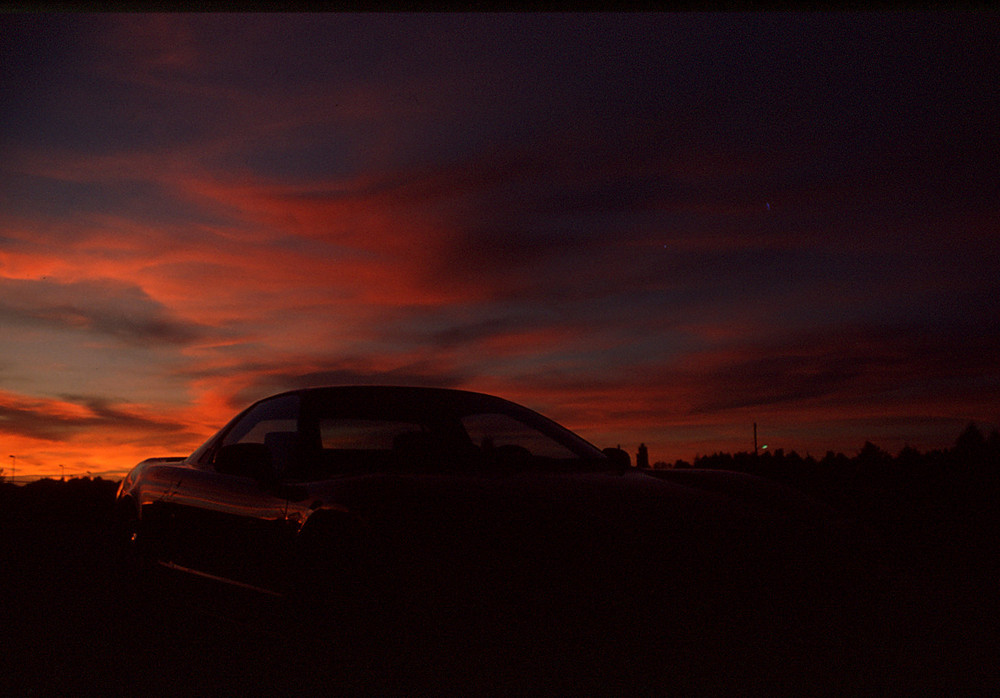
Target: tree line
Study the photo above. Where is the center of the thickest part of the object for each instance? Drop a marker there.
(943, 501)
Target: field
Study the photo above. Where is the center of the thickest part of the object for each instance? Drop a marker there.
(70, 625)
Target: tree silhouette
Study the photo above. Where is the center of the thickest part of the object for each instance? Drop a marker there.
(943, 503)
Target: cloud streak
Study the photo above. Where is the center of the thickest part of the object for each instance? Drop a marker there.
(113, 309)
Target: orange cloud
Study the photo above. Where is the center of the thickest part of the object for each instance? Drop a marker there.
(86, 435)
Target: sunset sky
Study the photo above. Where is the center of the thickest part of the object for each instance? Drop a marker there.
(655, 229)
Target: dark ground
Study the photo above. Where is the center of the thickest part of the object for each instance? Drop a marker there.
(68, 626)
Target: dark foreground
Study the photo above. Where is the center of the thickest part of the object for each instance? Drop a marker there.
(70, 625)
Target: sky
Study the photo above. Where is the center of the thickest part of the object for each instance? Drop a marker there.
(654, 229)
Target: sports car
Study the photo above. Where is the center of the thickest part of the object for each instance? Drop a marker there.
(460, 505)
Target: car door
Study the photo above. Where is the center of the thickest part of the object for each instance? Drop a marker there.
(232, 522)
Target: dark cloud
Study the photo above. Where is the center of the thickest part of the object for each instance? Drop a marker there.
(106, 412)
(359, 371)
(108, 308)
(784, 379)
(896, 367)
(52, 421)
(463, 334)
(35, 423)
(73, 198)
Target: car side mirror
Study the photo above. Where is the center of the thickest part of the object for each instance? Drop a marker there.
(619, 459)
(246, 460)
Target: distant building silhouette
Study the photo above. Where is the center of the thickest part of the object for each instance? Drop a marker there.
(642, 457)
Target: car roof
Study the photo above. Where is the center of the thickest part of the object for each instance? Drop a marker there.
(400, 396)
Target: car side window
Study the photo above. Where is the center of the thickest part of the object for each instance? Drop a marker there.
(351, 444)
(492, 430)
(363, 434)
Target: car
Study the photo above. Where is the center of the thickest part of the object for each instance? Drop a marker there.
(473, 510)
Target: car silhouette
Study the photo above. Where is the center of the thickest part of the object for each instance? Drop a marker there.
(465, 507)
